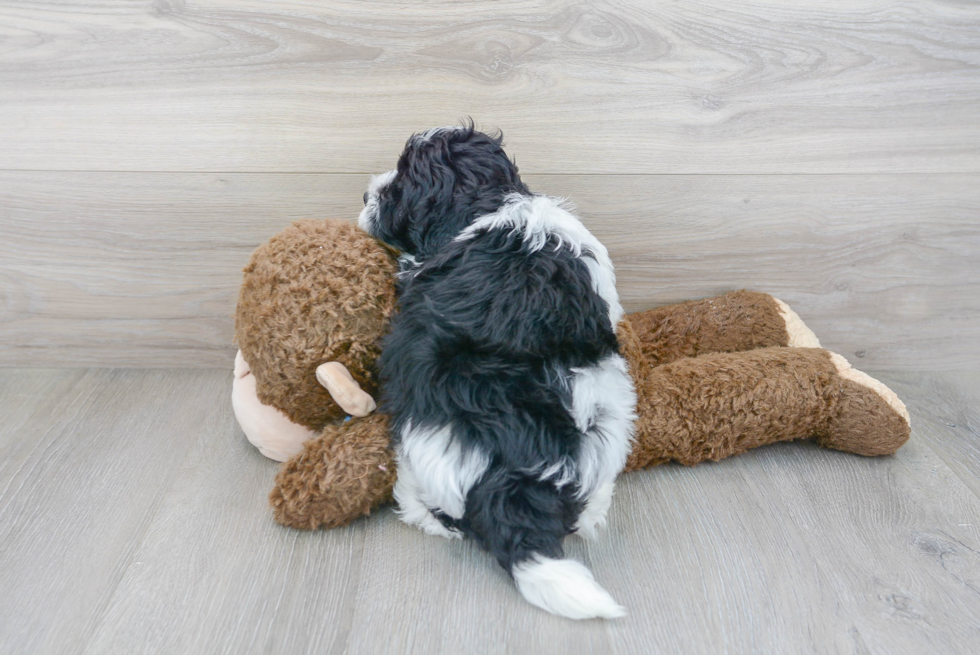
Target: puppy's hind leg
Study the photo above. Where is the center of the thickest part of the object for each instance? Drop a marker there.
(594, 514)
(412, 510)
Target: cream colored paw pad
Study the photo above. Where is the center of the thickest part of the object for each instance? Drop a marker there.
(848, 372)
(800, 336)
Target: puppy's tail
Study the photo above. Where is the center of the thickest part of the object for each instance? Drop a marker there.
(564, 587)
(522, 521)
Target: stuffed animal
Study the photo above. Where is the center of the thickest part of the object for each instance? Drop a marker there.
(713, 377)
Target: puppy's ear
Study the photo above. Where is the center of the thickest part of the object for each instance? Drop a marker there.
(426, 183)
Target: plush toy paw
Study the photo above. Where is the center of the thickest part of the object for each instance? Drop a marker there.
(800, 336)
(342, 474)
(736, 322)
(871, 419)
(266, 427)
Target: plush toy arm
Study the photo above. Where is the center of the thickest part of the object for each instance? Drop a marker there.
(721, 404)
(342, 474)
(344, 389)
(735, 322)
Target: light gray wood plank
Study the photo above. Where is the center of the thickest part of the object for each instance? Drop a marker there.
(946, 411)
(750, 86)
(792, 549)
(787, 549)
(885, 269)
(438, 596)
(134, 519)
(137, 269)
(215, 574)
(80, 480)
(26, 396)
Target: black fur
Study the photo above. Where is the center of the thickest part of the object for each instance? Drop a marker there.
(443, 183)
(485, 339)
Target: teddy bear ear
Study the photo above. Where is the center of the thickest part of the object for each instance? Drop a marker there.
(344, 389)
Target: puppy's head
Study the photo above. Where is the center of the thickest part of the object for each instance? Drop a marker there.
(446, 178)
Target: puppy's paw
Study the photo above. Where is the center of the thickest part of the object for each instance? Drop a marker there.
(413, 511)
(594, 514)
(431, 525)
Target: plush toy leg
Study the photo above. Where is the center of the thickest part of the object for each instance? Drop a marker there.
(721, 404)
(266, 427)
(735, 322)
(341, 475)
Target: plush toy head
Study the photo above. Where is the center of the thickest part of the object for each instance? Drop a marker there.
(317, 292)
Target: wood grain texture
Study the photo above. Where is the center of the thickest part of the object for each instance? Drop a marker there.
(215, 574)
(137, 270)
(794, 549)
(90, 457)
(707, 86)
(133, 518)
(140, 269)
(885, 269)
(468, 602)
(825, 152)
(946, 408)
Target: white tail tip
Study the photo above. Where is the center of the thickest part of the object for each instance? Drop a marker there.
(564, 587)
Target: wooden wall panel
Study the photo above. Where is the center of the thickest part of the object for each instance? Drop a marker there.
(142, 269)
(704, 86)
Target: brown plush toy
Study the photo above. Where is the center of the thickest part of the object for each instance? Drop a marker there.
(713, 377)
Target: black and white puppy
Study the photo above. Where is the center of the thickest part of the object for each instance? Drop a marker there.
(511, 407)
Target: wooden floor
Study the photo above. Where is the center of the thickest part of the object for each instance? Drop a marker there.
(133, 519)
(825, 152)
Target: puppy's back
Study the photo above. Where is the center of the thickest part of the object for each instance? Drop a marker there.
(484, 353)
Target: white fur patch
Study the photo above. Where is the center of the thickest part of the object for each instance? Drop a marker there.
(413, 511)
(540, 217)
(368, 217)
(603, 404)
(564, 587)
(560, 473)
(408, 265)
(594, 514)
(444, 474)
(407, 260)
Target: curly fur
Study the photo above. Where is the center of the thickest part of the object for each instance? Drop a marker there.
(318, 291)
(510, 404)
(722, 404)
(343, 474)
(738, 321)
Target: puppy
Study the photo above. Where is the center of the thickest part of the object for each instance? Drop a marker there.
(511, 407)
